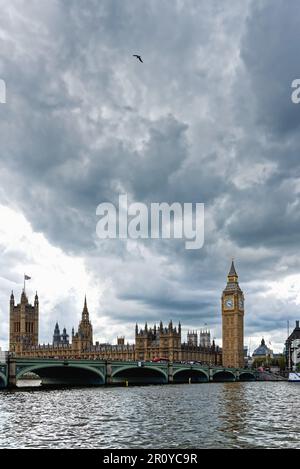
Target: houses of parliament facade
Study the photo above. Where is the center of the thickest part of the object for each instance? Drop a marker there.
(150, 343)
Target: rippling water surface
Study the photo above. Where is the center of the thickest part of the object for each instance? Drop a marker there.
(217, 415)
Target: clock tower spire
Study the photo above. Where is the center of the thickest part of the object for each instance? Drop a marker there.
(233, 322)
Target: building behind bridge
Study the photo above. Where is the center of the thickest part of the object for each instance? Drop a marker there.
(292, 348)
(150, 343)
(157, 342)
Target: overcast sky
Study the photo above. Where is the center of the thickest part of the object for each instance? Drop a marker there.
(207, 117)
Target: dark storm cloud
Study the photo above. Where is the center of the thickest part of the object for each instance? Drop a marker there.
(269, 215)
(269, 50)
(206, 118)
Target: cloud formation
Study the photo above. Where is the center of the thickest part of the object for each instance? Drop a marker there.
(206, 118)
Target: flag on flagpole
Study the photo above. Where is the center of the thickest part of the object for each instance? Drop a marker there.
(26, 277)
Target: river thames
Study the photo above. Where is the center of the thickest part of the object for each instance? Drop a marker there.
(218, 415)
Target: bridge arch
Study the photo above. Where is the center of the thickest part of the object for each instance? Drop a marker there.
(61, 374)
(247, 376)
(184, 375)
(3, 381)
(139, 375)
(221, 376)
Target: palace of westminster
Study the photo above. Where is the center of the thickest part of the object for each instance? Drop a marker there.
(150, 343)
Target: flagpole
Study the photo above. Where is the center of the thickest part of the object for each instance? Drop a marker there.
(26, 277)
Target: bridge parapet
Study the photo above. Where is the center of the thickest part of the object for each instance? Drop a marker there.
(139, 373)
(100, 372)
(59, 372)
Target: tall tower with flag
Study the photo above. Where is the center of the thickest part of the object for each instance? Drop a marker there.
(233, 322)
(23, 322)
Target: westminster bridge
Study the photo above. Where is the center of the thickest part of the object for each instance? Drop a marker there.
(99, 372)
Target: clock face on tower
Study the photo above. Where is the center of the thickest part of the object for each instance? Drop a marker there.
(229, 303)
(241, 303)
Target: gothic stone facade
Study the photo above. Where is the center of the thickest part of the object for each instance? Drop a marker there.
(233, 322)
(150, 343)
(165, 342)
(23, 324)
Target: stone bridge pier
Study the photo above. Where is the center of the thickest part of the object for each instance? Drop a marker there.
(3, 375)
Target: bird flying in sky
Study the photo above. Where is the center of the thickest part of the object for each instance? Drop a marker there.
(138, 57)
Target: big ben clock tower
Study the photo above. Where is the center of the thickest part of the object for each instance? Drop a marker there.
(233, 322)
